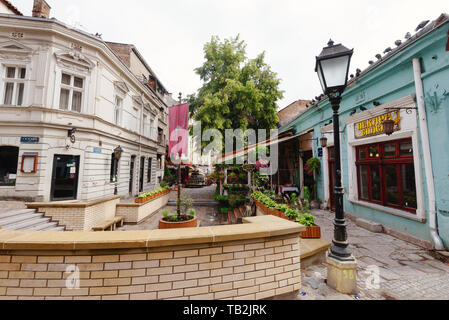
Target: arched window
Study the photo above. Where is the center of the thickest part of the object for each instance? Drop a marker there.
(9, 158)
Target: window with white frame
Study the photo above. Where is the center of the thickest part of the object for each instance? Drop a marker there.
(118, 110)
(72, 91)
(146, 126)
(14, 85)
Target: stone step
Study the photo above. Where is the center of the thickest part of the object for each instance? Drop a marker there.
(16, 213)
(27, 223)
(42, 226)
(4, 222)
(27, 219)
(57, 229)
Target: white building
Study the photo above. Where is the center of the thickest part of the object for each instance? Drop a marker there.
(67, 101)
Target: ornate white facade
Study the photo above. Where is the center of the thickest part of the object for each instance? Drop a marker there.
(55, 79)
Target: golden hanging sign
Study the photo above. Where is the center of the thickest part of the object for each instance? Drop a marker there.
(375, 126)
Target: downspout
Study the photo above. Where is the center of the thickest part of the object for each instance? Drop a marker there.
(439, 246)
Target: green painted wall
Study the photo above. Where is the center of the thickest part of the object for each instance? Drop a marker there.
(390, 81)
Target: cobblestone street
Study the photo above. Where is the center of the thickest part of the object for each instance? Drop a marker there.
(407, 272)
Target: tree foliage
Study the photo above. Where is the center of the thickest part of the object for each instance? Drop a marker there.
(237, 92)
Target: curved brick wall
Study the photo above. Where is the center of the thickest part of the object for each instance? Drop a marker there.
(257, 260)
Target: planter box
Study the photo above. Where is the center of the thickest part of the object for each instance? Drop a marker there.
(311, 233)
(150, 198)
(137, 212)
(178, 225)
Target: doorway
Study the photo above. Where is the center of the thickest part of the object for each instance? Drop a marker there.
(142, 172)
(65, 175)
(131, 174)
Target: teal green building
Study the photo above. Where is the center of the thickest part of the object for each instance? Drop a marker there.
(400, 180)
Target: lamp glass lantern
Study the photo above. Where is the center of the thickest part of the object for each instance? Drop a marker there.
(323, 141)
(389, 127)
(332, 66)
(118, 152)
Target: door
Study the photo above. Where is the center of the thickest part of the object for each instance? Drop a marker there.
(142, 172)
(331, 159)
(64, 184)
(131, 174)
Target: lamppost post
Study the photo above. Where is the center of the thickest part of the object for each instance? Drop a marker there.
(178, 202)
(332, 66)
(339, 249)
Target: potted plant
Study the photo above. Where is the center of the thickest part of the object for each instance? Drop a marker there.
(187, 218)
(313, 168)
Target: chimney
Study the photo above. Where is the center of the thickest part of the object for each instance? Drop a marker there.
(41, 9)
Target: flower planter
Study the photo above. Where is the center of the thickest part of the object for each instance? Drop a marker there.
(149, 198)
(193, 223)
(313, 232)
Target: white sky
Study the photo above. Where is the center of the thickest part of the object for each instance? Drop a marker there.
(171, 34)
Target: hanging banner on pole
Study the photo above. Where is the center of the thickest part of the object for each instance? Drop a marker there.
(178, 131)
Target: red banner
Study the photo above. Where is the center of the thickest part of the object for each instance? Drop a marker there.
(178, 130)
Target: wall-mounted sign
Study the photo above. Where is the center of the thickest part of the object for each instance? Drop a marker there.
(29, 140)
(29, 162)
(375, 127)
(97, 150)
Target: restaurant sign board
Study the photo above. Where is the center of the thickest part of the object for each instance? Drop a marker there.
(375, 127)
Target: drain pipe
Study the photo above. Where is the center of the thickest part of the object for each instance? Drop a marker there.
(439, 246)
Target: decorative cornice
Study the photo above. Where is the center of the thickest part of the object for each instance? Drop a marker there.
(407, 101)
(56, 27)
(121, 86)
(74, 58)
(138, 100)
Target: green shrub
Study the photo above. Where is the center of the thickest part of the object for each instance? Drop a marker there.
(306, 220)
(292, 213)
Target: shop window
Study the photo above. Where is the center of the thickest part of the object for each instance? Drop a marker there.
(14, 86)
(390, 150)
(386, 174)
(71, 94)
(9, 157)
(406, 149)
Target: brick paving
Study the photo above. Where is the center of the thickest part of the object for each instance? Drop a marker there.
(407, 272)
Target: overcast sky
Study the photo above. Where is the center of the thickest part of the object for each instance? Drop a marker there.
(171, 34)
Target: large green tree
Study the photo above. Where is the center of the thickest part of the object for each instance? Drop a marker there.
(237, 92)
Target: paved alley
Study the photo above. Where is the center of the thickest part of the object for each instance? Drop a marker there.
(406, 271)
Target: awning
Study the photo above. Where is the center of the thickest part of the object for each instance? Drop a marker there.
(267, 143)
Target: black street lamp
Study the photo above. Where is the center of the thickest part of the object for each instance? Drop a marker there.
(332, 66)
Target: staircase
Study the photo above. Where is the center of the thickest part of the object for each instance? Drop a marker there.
(236, 216)
(27, 219)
